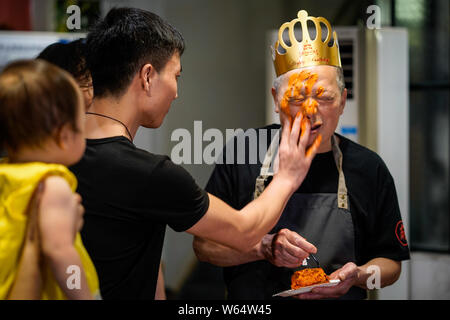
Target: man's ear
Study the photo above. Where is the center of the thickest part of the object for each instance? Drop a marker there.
(343, 101)
(275, 100)
(146, 76)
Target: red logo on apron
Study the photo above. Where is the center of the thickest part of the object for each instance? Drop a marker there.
(400, 233)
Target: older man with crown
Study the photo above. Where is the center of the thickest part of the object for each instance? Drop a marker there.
(345, 214)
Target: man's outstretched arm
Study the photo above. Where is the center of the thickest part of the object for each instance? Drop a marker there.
(242, 230)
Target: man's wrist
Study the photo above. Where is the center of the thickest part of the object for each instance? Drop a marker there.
(265, 247)
(285, 181)
(258, 251)
(361, 277)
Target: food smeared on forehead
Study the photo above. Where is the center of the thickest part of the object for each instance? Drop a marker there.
(320, 91)
(300, 87)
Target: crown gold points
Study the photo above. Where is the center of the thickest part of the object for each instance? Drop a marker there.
(308, 52)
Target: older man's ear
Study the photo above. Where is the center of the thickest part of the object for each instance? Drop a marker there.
(275, 100)
(343, 101)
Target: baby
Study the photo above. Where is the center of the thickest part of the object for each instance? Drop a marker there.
(41, 127)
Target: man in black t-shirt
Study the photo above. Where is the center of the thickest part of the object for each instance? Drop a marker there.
(130, 195)
(346, 207)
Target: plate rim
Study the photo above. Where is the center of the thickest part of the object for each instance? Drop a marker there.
(292, 292)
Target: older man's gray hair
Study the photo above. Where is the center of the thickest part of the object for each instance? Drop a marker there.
(339, 79)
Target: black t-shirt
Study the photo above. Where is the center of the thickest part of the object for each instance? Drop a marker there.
(130, 195)
(373, 198)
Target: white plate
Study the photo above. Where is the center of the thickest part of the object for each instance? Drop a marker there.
(292, 292)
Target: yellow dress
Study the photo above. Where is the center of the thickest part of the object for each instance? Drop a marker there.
(17, 184)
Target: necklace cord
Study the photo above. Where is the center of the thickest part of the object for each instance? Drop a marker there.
(111, 118)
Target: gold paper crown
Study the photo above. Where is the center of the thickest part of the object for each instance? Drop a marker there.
(307, 52)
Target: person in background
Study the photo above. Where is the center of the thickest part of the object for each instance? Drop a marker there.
(41, 127)
(347, 206)
(71, 57)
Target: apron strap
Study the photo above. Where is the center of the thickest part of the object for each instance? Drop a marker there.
(342, 197)
(265, 169)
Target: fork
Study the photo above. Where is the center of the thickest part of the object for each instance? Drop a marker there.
(315, 259)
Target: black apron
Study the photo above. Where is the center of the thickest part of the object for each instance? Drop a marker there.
(324, 219)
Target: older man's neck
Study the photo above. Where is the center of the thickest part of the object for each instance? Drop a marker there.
(325, 146)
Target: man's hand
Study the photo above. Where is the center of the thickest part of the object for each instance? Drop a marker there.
(286, 248)
(294, 155)
(348, 275)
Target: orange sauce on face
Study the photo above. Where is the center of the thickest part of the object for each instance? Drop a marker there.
(320, 91)
(301, 84)
(310, 107)
(309, 83)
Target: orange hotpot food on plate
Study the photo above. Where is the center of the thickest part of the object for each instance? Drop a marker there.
(308, 277)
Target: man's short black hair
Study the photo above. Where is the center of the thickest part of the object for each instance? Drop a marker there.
(125, 40)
